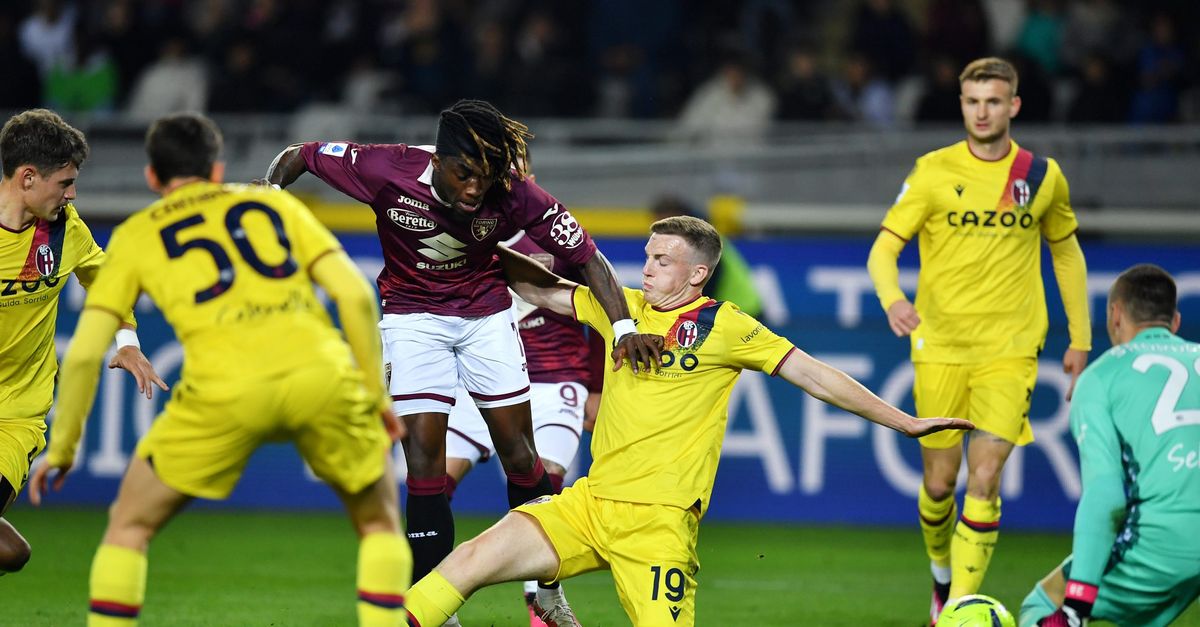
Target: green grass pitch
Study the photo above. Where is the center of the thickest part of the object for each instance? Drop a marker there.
(238, 568)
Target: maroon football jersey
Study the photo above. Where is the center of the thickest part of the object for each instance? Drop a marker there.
(556, 346)
(433, 262)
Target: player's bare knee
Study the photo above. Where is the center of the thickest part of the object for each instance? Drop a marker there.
(939, 488)
(517, 459)
(983, 483)
(14, 554)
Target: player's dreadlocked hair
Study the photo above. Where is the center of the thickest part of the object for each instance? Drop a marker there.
(479, 134)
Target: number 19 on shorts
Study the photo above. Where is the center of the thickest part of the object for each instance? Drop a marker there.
(673, 580)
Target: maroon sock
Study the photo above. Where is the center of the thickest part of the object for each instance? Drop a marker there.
(524, 487)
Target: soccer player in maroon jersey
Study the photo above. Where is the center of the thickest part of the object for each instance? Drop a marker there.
(440, 212)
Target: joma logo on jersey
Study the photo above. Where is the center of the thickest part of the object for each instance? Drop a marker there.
(412, 202)
(11, 287)
(411, 220)
(1006, 219)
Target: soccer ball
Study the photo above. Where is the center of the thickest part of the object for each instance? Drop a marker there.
(976, 610)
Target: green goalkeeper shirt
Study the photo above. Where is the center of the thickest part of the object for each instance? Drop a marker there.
(1135, 415)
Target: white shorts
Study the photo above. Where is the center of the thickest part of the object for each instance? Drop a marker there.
(427, 356)
(557, 425)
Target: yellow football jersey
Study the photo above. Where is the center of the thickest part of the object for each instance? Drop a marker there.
(34, 265)
(228, 267)
(658, 435)
(979, 292)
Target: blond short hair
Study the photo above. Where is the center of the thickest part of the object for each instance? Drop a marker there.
(700, 235)
(989, 68)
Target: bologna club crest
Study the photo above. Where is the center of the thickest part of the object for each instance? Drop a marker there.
(483, 227)
(1020, 192)
(44, 260)
(687, 333)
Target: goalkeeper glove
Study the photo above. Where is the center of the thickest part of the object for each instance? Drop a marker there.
(1076, 608)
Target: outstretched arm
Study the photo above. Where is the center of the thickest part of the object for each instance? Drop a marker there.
(837, 388)
(535, 284)
(286, 168)
(640, 348)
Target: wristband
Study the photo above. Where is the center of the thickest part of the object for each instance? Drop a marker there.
(1081, 596)
(127, 337)
(276, 186)
(623, 327)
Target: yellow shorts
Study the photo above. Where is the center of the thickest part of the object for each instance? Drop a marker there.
(993, 395)
(651, 550)
(201, 442)
(21, 439)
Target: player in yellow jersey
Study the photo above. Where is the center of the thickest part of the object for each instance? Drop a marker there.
(656, 444)
(42, 241)
(981, 208)
(233, 269)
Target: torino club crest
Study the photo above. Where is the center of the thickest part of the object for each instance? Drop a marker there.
(483, 227)
(44, 260)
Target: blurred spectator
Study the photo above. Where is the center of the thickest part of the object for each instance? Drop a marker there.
(424, 44)
(238, 87)
(1037, 98)
(862, 96)
(130, 45)
(488, 73)
(883, 34)
(177, 81)
(732, 106)
(48, 35)
(544, 81)
(1092, 26)
(804, 92)
(85, 82)
(22, 85)
(940, 102)
(1040, 38)
(957, 29)
(732, 279)
(637, 72)
(1101, 98)
(1005, 19)
(368, 88)
(1160, 65)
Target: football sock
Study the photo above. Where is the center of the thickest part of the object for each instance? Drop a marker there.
(432, 601)
(384, 567)
(429, 522)
(974, 540)
(1036, 606)
(117, 586)
(524, 487)
(937, 527)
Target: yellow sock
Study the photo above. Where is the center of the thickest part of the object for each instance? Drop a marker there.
(384, 572)
(974, 540)
(117, 586)
(433, 600)
(937, 526)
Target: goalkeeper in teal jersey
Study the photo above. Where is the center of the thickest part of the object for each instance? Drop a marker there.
(1136, 419)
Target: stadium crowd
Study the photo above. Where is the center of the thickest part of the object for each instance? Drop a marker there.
(880, 62)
